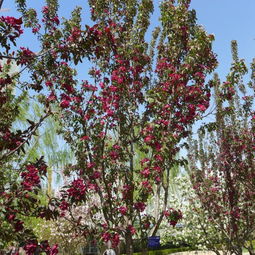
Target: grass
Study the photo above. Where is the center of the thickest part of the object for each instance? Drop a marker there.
(165, 251)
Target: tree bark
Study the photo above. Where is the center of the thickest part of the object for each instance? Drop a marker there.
(250, 248)
(1, 3)
(129, 243)
(144, 246)
(157, 202)
(238, 251)
(251, 251)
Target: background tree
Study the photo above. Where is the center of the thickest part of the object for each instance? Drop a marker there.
(223, 161)
(20, 178)
(194, 229)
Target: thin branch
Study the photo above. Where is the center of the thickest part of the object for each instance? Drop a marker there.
(37, 125)
(1, 3)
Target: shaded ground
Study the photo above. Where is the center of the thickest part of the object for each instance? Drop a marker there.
(199, 253)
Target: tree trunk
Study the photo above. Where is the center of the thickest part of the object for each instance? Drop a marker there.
(49, 180)
(217, 252)
(1, 3)
(251, 250)
(157, 202)
(117, 250)
(144, 246)
(129, 243)
(238, 251)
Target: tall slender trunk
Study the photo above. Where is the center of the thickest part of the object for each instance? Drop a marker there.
(129, 243)
(238, 251)
(250, 248)
(49, 180)
(157, 202)
(144, 246)
(130, 199)
(166, 190)
(251, 251)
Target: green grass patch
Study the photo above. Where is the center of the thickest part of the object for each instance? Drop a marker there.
(166, 251)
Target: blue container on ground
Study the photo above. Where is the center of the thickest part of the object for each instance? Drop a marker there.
(154, 242)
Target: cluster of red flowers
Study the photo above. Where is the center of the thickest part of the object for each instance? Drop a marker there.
(173, 216)
(10, 139)
(123, 210)
(113, 237)
(5, 81)
(140, 206)
(25, 56)
(30, 178)
(48, 19)
(32, 246)
(75, 35)
(12, 27)
(77, 190)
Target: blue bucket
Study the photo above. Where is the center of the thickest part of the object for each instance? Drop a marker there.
(154, 241)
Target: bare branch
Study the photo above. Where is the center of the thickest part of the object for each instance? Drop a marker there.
(1, 3)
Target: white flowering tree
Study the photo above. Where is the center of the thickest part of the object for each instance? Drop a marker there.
(64, 230)
(194, 229)
(61, 231)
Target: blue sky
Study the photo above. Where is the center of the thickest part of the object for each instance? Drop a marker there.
(226, 19)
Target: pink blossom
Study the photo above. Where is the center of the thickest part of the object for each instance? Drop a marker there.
(51, 97)
(145, 172)
(64, 103)
(145, 160)
(148, 139)
(140, 206)
(114, 155)
(77, 189)
(96, 175)
(201, 107)
(132, 229)
(84, 138)
(123, 210)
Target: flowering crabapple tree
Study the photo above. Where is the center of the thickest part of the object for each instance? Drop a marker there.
(223, 174)
(20, 181)
(141, 97)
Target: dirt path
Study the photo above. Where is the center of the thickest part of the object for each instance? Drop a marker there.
(194, 253)
(199, 253)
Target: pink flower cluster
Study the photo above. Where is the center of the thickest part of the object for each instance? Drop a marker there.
(14, 30)
(123, 210)
(140, 206)
(25, 56)
(77, 190)
(173, 216)
(113, 237)
(30, 178)
(32, 246)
